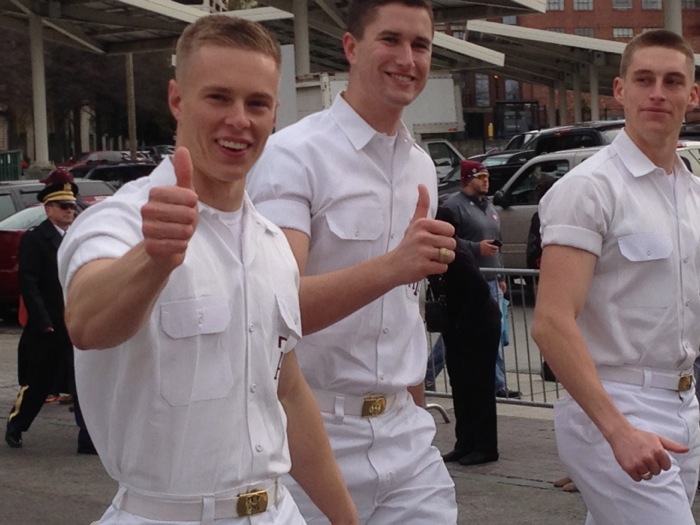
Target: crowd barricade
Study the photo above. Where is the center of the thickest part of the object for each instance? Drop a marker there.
(525, 370)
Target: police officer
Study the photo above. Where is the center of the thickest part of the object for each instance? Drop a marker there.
(44, 349)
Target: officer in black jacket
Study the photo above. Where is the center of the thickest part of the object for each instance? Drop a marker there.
(45, 349)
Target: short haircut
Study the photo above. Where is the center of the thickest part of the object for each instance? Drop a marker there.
(226, 31)
(655, 38)
(362, 12)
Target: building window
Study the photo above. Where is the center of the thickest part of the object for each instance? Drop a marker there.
(623, 32)
(510, 20)
(481, 85)
(622, 4)
(555, 5)
(651, 4)
(690, 4)
(512, 89)
(556, 29)
(583, 5)
(584, 31)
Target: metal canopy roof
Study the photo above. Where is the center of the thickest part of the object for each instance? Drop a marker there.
(125, 26)
(546, 57)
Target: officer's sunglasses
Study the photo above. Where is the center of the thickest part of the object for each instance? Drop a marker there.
(65, 205)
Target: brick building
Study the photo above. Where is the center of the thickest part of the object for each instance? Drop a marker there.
(617, 20)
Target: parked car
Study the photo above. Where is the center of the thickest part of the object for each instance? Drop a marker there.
(583, 135)
(516, 142)
(119, 174)
(28, 214)
(689, 151)
(94, 157)
(517, 201)
(17, 195)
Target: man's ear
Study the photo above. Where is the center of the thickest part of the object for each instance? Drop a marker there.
(174, 98)
(349, 47)
(618, 90)
(694, 100)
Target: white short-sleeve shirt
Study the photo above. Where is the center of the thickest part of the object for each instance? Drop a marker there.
(189, 405)
(643, 306)
(353, 191)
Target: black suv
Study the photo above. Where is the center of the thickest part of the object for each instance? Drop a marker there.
(583, 135)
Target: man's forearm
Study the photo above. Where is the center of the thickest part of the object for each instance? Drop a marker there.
(327, 298)
(109, 299)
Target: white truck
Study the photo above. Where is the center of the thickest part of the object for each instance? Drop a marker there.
(438, 109)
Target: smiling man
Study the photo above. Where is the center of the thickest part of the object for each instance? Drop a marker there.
(618, 306)
(185, 301)
(355, 195)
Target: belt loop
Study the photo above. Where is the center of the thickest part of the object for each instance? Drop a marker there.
(119, 497)
(208, 510)
(339, 408)
(647, 379)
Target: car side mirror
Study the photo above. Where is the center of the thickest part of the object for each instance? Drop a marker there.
(501, 199)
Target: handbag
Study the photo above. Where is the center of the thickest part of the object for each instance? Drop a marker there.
(436, 319)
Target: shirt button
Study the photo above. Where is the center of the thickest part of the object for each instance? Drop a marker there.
(648, 252)
(253, 387)
(200, 318)
(391, 236)
(687, 303)
(357, 233)
(259, 447)
(386, 330)
(381, 376)
(685, 259)
(251, 328)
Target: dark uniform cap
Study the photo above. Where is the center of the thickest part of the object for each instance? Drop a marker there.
(58, 192)
(471, 168)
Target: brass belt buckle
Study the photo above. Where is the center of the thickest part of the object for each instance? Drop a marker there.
(685, 382)
(253, 502)
(373, 406)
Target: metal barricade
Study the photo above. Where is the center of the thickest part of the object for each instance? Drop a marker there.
(523, 362)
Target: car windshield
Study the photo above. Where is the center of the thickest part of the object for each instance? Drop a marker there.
(495, 160)
(25, 219)
(610, 134)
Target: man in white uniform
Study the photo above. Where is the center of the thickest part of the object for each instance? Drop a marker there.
(352, 192)
(618, 307)
(186, 300)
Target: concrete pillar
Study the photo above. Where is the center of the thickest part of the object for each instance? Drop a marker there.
(561, 88)
(578, 113)
(673, 17)
(41, 133)
(595, 91)
(551, 107)
(85, 129)
(302, 55)
(131, 105)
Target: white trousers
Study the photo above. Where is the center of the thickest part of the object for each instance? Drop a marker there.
(611, 496)
(394, 474)
(284, 513)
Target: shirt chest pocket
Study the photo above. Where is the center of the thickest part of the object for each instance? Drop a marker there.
(195, 362)
(646, 277)
(356, 223)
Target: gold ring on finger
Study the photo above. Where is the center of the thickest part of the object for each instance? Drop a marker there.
(647, 476)
(444, 255)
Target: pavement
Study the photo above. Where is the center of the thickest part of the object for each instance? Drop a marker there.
(47, 483)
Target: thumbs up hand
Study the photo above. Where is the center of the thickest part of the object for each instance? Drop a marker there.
(427, 246)
(170, 215)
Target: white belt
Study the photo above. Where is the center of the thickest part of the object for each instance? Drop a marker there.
(365, 406)
(238, 502)
(666, 379)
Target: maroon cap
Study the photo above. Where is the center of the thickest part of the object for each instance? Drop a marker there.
(471, 168)
(60, 174)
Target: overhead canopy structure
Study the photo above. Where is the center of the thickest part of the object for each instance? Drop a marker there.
(560, 61)
(549, 58)
(314, 26)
